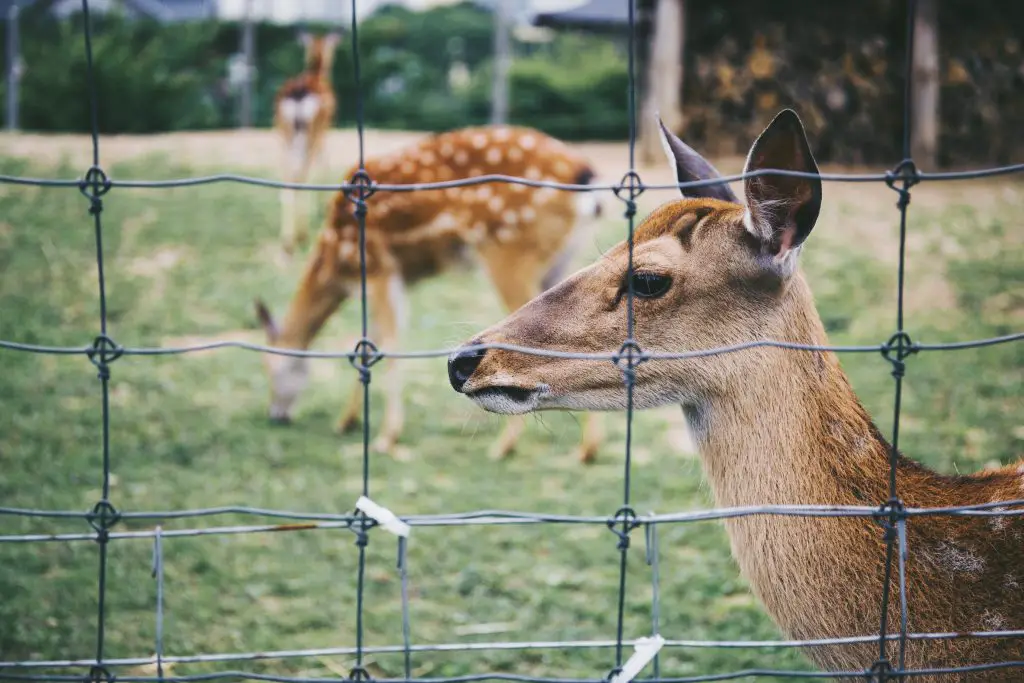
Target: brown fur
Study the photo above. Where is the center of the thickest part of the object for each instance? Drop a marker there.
(776, 426)
(520, 234)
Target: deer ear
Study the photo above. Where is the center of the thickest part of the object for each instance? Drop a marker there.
(688, 165)
(266, 319)
(782, 210)
(306, 38)
(332, 39)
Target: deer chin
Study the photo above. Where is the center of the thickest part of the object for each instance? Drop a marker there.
(509, 400)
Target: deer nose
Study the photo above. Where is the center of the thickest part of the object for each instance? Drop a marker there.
(461, 366)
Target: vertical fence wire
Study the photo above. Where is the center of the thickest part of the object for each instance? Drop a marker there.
(94, 185)
(625, 516)
(365, 346)
(158, 574)
(897, 352)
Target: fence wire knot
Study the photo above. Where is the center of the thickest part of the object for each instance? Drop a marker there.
(880, 672)
(102, 518)
(99, 674)
(93, 186)
(899, 347)
(359, 673)
(890, 514)
(635, 186)
(360, 526)
(628, 358)
(363, 187)
(907, 173)
(364, 356)
(103, 352)
(626, 516)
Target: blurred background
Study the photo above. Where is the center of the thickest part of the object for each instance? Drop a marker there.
(186, 88)
(438, 64)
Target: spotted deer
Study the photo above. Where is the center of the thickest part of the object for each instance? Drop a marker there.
(524, 237)
(304, 110)
(772, 425)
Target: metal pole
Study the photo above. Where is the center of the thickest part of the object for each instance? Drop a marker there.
(248, 50)
(14, 67)
(502, 59)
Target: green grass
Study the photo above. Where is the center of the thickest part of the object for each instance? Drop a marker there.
(189, 431)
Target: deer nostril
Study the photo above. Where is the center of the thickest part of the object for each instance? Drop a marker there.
(461, 366)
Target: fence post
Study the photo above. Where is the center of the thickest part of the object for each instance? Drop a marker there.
(664, 82)
(924, 140)
(499, 87)
(14, 67)
(248, 50)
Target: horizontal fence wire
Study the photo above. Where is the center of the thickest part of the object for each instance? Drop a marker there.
(641, 355)
(103, 517)
(919, 177)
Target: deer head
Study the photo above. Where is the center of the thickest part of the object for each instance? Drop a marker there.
(320, 50)
(707, 272)
(319, 294)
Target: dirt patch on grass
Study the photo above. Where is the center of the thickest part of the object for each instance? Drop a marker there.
(156, 263)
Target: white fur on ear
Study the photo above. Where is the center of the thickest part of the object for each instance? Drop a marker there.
(784, 263)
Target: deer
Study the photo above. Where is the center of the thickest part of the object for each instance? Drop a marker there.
(304, 109)
(524, 236)
(773, 426)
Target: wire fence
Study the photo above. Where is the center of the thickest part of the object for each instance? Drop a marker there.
(104, 517)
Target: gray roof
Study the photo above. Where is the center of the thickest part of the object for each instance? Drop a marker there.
(594, 14)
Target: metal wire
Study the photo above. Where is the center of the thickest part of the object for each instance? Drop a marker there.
(103, 517)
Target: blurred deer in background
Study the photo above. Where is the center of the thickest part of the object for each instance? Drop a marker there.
(303, 112)
(524, 236)
(773, 426)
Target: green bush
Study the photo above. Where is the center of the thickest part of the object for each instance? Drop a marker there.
(153, 77)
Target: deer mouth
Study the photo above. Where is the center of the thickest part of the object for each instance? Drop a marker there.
(508, 400)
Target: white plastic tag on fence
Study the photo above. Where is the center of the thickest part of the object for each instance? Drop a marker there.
(386, 518)
(643, 652)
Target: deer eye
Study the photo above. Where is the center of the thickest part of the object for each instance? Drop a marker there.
(650, 285)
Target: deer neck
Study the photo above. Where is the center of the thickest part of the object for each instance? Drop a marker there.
(791, 430)
(306, 315)
(318, 68)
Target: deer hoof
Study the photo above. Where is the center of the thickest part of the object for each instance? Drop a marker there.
(500, 451)
(586, 454)
(384, 444)
(346, 425)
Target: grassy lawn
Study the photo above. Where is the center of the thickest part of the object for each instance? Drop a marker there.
(189, 431)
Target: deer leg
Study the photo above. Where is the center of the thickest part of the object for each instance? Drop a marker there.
(517, 279)
(350, 415)
(593, 434)
(387, 305)
(301, 233)
(288, 217)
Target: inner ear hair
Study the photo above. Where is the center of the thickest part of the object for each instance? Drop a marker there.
(782, 209)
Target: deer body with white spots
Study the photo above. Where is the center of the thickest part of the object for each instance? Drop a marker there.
(304, 110)
(773, 425)
(523, 236)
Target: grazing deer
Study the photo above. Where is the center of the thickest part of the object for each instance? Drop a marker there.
(773, 426)
(523, 235)
(303, 112)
